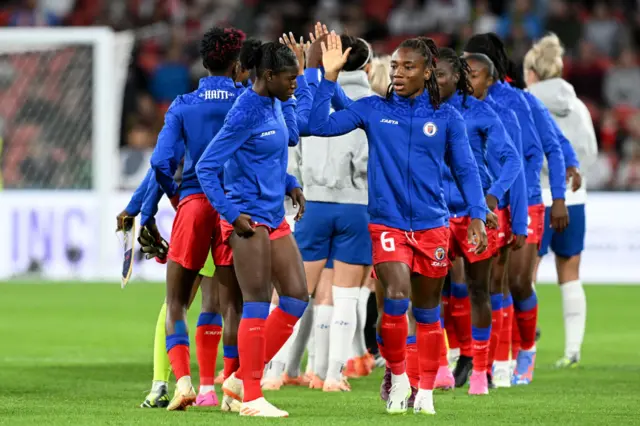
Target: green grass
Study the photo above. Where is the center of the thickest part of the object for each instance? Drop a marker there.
(81, 354)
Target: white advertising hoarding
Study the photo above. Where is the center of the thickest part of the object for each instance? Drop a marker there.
(66, 235)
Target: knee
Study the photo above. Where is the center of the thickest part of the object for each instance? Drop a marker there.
(478, 293)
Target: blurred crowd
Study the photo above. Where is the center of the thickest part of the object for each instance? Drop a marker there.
(600, 37)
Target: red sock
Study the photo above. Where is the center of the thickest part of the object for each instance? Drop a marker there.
(449, 326)
(461, 319)
(231, 366)
(504, 343)
(430, 341)
(180, 360)
(207, 341)
(480, 355)
(394, 331)
(413, 365)
(251, 348)
(496, 331)
(444, 362)
(527, 322)
(279, 327)
(515, 336)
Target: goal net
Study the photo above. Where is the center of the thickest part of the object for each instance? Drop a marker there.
(61, 92)
(58, 92)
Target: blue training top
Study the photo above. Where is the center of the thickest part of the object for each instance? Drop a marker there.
(408, 140)
(516, 197)
(487, 137)
(252, 147)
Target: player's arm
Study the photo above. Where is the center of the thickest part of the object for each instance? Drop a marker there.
(500, 145)
(464, 168)
(234, 133)
(163, 159)
(552, 151)
(322, 123)
(304, 99)
(135, 203)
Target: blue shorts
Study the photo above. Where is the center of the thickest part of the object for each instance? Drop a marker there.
(568, 243)
(339, 231)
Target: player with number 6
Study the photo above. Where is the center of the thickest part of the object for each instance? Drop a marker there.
(409, 134)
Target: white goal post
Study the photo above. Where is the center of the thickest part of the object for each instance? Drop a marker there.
(74, 154)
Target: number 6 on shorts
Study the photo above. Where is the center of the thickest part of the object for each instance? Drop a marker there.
(388, 244)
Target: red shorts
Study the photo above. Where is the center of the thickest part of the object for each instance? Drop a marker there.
(274, 233)
(505, 233)
(425, 252)
(535, 224)
(459, 246)
(195, 231)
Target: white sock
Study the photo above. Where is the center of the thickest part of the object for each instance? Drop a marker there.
(359, 344)
(206, 389)
(311, 346)
(343, 328)
(574, 308)
(272, 306)
(275, 367)
(184, 384)
(322, 326)
(157, 384)
(297, 346)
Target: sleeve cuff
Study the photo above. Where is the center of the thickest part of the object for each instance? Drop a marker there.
(328, 85)
(557, 193)
(231, 215)
(147, 220)
(573, 163)
(519, 228)
(478, 213)
(132, 209)
(496, 192)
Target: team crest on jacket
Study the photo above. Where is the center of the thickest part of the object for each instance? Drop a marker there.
(439, 253)
(430, 129)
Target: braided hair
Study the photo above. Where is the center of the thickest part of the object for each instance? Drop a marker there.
(490, 44)
(461, 67)
(220, 48)
(427, 48)
(266, 56)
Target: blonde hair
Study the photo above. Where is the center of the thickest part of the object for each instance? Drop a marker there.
(379, 74)
(545, 57)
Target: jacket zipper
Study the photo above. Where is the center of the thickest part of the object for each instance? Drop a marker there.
(409, 166)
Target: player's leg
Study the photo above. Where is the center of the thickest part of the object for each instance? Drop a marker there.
(450, 328)
(195, 220)
(363, 361)
(158, 397)
(351, 249)
(323, 313)
(252, 263)
(460, 306)
(525, 300)
(567, 247)
(478, 278)
(208, 335)
(496, 287)
(459, 302)
(230, 298)
(500, 348)
(392, 258)
(444, 377)
(430, 267)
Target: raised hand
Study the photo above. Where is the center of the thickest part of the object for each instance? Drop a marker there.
(333, 58)
(297, 48)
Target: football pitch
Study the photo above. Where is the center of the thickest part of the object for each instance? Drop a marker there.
(81, 354)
